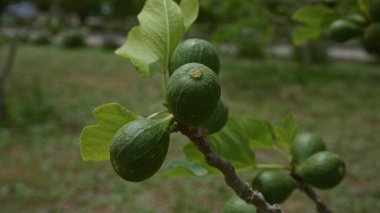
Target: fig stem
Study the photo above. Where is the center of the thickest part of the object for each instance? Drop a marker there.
(170, 118)
(242, 189)
(157, 113)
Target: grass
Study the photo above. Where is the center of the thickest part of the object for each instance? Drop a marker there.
(41, 168)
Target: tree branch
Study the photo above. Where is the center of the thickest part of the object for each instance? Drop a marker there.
(243, 190)
(320, 206)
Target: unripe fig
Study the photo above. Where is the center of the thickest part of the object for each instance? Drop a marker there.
(195, 50)
(193, 92)
(275, 186)
(305, 145)
(139, 148)
(323, 170)
(217, 120)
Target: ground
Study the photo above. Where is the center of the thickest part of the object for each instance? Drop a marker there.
(52, 92)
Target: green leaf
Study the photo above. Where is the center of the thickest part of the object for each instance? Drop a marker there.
(190, 9)
(287, 131)
(162, 27)
(233, 146)
(95, 139)
(236, 205)
(192, 153)
(302, 34)
(235, 143)
(195, 156)
(184, 168)
(193, 165)
(258, 133)
(150, 45)
(142, 58)
(315, 15)
(315, 18)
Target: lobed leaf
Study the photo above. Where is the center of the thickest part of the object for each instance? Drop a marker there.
(95, 139)
(161, 27)
(190, 10)
(143, 59)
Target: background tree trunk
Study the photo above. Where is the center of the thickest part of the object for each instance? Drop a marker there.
(4, 72)
(3, 107)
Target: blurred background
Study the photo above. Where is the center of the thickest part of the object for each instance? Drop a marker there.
(57, 63)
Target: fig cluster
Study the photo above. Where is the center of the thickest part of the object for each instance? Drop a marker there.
(193, 90)
(139, 148)
(314, 164)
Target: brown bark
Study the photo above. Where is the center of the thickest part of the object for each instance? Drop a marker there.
(320, 205)
(242, 189)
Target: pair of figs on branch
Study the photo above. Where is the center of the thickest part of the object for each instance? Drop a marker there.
(139, 148)
(312, 164)
(367, 29)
